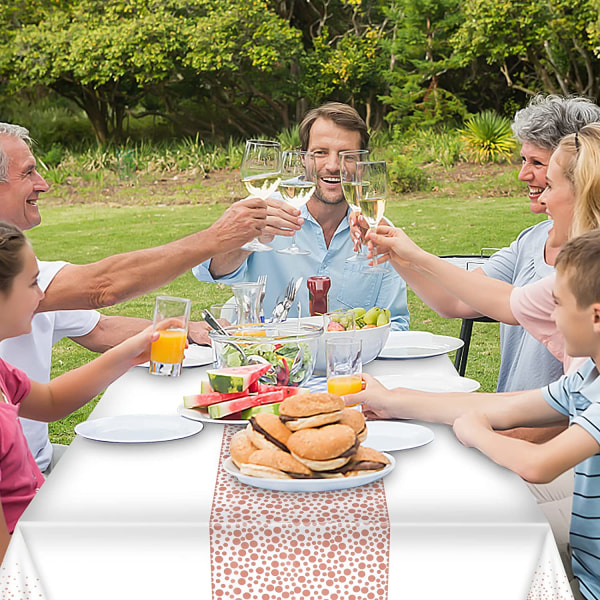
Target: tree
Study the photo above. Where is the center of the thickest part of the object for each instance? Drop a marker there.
(107, 56)
(537, 46)
(421, 55)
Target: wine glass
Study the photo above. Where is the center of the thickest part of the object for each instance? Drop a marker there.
(348, 160)
(298, 182)
(371, 194)
(261, 173)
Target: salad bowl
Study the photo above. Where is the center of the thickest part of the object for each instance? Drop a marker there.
(291, 348)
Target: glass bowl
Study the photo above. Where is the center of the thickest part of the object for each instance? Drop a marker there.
(290, 347)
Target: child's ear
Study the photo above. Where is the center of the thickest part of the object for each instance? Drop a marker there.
(596, 317)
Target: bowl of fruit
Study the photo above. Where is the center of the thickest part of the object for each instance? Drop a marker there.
(371, 326)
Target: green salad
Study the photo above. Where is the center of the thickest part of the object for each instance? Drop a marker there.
(292, 362)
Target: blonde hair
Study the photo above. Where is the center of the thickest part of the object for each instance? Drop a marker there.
(580, 154)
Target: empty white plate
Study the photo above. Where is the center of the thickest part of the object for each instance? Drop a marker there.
(137, 429)
(430, 383)
(418, 344)
(389, 436)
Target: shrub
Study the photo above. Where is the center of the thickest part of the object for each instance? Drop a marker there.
(488, 138)
(406, 176)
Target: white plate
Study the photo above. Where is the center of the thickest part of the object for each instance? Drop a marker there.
(308, 485)
(137, 429)
(389, 436)
(194, 356)
(201, 414)
(418, 344)
(430, 383)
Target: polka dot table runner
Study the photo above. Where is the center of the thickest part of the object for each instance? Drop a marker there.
(268, 545)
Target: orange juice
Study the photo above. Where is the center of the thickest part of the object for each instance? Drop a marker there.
(169, 347)
(344, 384)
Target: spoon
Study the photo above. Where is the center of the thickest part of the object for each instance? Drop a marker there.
(253, 359)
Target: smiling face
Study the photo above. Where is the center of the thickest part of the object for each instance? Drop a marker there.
(559, 195)
(535, 162)
(326, 141)
(19, 195)
(18, 305)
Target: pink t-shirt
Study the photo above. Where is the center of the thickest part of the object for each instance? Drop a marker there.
(532, 305)
(20, 477)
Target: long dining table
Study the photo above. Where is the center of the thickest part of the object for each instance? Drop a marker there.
(163, 520)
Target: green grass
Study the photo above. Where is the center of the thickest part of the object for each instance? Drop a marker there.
(464, 214)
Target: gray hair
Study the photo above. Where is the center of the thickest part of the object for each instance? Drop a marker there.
(9, 130)
(547, 119)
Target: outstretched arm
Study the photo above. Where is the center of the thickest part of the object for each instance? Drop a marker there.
(536, 463)
(282, 219)
(118, 278)
(70, 391)
(504, 410)
(428, 273)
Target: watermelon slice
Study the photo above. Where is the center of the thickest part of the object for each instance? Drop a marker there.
(235, 379)
(208, 398)
(218, 411)
(255, 410)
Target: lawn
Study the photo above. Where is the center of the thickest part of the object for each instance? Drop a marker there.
(469, 208)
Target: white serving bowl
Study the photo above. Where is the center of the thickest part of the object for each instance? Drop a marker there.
(373, 341)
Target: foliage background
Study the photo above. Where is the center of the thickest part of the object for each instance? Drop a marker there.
(222, 68)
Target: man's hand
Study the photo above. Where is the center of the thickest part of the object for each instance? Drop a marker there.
(198, 333)
(358, 229)
(282, 219)
(240, 223)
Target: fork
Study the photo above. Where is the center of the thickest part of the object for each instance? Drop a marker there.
(262, 279)
(280, 307)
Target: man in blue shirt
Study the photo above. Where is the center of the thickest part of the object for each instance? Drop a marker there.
(321, 226)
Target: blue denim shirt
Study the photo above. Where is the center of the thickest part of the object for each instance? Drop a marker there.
(350, 287)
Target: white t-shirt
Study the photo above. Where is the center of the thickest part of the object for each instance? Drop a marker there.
(33, 353)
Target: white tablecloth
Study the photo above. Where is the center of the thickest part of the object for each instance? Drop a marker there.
(131, 520)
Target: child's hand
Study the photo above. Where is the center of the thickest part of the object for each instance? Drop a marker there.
(136, 349)
(373, 399)
(468, 428)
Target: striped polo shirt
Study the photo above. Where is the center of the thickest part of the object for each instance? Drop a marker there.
(578, 396)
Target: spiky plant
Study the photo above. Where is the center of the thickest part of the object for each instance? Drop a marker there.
(488, 138)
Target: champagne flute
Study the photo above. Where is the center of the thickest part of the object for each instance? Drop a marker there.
(261, 173)
(371, 191)
(348, 160)
(298, 182)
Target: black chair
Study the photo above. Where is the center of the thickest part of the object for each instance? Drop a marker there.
(466, 328)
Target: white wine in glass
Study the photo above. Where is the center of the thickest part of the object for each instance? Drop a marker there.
(261, 174)
(371, 195)
(348, 160)
(298, 182)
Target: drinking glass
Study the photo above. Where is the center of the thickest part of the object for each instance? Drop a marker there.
(298, 182)
(171, 318)
(261, 172)
(344, 365)
(348, 160)
(371, 194)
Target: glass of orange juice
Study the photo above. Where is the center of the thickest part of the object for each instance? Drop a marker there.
(171, 318)
(344, 365)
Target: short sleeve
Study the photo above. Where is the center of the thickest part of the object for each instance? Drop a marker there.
(15, 383)
(532, 305)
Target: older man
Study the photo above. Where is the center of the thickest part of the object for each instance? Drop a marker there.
(102, 283)
(322, 227)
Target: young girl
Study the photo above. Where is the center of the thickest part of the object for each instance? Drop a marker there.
(20, 296)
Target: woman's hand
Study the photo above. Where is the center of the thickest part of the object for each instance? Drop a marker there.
(394, 245)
